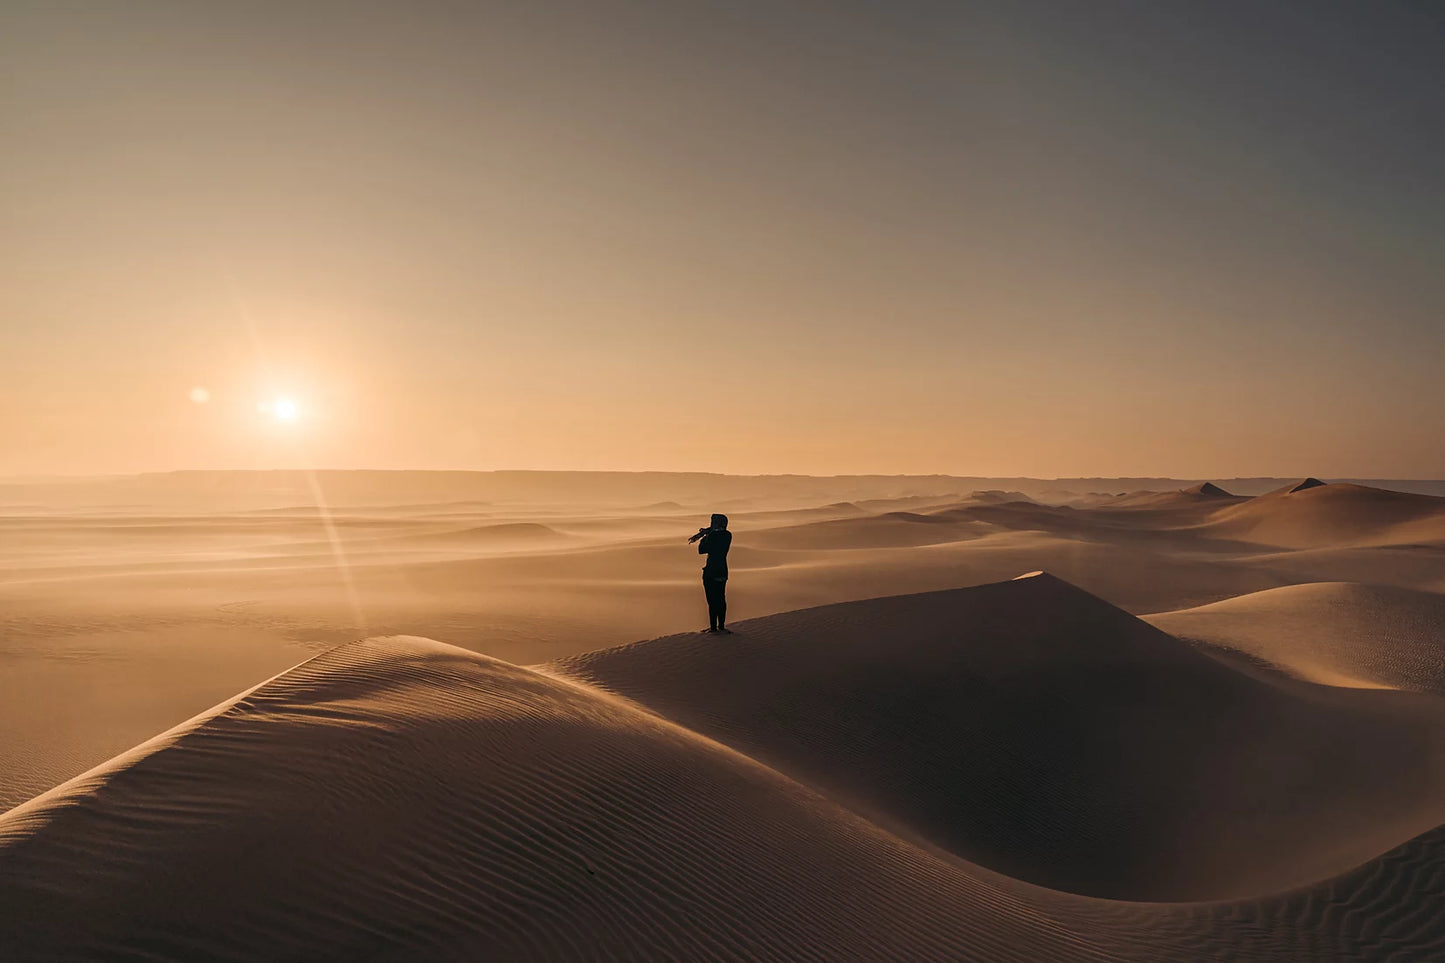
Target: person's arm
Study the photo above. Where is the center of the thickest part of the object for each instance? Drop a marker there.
(702, 543)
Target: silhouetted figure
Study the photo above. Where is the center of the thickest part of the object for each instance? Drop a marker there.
(714, 542)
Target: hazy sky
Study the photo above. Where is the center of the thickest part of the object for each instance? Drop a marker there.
(1001, 238)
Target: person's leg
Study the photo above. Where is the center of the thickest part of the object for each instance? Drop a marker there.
(722, 605)
(709, 588)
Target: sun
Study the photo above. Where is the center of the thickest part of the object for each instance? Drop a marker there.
(282, 409)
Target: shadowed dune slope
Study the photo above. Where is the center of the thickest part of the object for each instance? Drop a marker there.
(1035, 729)
(1333, 516)
(996, 496)
(1334, 632)
(1205, 495)
(401, 799)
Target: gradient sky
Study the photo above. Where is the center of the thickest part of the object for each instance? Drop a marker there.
(998, 238)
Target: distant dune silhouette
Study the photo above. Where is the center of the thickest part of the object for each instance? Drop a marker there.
(1308, 515)
(506, 531)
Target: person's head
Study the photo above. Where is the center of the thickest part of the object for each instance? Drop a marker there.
(719, 521)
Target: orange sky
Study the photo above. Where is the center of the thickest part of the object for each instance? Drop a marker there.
(721, 237)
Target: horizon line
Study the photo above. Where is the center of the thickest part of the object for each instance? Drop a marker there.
(100, 476)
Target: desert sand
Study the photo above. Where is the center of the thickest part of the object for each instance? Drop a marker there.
(1212, 727)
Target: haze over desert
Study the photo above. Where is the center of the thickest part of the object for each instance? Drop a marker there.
(621, 480)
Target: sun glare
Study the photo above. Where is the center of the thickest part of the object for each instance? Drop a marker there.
(282, 409)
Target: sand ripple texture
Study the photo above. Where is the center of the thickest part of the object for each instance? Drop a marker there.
(403, 799)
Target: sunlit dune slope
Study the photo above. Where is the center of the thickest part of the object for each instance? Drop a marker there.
(1042, 732)
(1333, 632)
(1333, 515)
(403, 799)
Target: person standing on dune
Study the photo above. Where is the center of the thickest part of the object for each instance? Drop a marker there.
(714, 542)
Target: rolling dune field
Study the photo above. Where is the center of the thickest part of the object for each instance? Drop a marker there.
(1204, 726)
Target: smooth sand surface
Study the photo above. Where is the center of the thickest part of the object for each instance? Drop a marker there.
(1012, 770)
(1339, 633)
(1334, 515)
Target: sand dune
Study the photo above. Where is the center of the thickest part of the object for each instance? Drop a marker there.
(890, 530)
(1420, 567)
(523, 534)
(791, 516)
(400, 798)
(1040, 731)
(1308, 516)
(1338, 633)
(1298, 516)
(906, 502)
(1300, 486)
(1204, 495)
(403, 799)
(1146, 516)
(994, 496)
